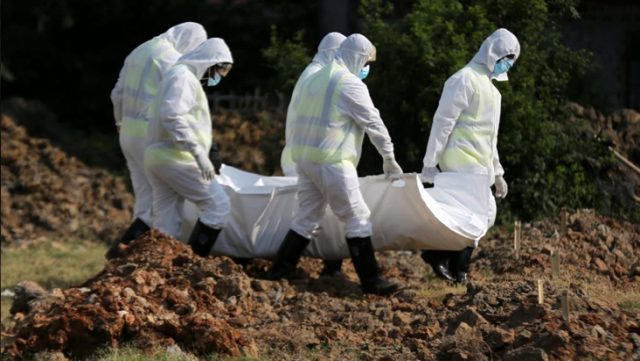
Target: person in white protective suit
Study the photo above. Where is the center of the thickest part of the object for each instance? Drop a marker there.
(180, 135)
(326, 51)
(328, 123)
(137, 86)
(464, 136)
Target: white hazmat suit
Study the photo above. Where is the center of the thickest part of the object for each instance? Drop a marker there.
(328, 120)
(464, 144)
(464, 137)
(326, 51)
(135, 90)
(179, 140)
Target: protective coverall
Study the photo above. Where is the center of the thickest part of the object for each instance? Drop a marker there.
(136, 88)
(464, 137)
(326, 51)
(328, 122)
(178, 143)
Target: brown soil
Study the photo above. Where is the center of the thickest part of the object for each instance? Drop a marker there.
(160, 294)
(46, 192)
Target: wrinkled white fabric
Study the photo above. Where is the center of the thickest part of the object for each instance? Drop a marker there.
(404, 216)
(143, 67)
(326, 51)
(464, 135)
(179, 132)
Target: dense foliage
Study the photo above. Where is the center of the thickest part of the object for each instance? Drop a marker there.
(419, 47)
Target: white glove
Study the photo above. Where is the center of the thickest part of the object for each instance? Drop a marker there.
(501, 187)
(428, 174)
(391, 168)
(205, 165)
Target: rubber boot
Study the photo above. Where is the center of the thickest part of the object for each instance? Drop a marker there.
(202, 238)
(332, 268)
(460, 264)
(135, 230)
(289, 253)
(364, 261)
(439, 262)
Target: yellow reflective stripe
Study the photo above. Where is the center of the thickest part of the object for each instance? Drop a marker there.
(158, 156)
(322, 156)
(134, 127)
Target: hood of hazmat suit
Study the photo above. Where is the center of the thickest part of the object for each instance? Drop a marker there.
(328, 47)
(355, 51)
(208, 54)
(498, 45)
(186, 36)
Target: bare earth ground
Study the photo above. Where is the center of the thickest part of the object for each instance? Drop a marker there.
(160, 295)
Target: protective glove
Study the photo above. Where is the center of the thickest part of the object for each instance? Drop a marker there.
(206, 168)
(391, 168)
(428, 174)
(501, 187)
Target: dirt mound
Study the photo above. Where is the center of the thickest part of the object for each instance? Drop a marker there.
(250, 141)
(601, 247)
(46, 192)
(159, 294)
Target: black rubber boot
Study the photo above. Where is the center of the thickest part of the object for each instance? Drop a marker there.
(364, 261)
(135, 230)
(332, 268)
(459, 264)
(202, 238)
(288, 255)
(439, 262)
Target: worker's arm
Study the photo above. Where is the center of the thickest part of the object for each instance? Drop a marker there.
(116, 98)
(357, 104)
(456, 97)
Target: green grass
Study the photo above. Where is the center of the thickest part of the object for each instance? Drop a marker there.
(50, 264)
(632, 305)
(132, 354)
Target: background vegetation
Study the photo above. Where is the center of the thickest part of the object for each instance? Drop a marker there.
(68, 54)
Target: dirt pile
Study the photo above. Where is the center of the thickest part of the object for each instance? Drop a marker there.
(602, 248)
(250, 141)
(159, 294)
(47, 192)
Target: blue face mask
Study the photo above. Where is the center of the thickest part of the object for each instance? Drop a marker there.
(215, 80)
(502, 66)
(364, 72)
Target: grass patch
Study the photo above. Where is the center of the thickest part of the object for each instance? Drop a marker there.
(50, 264)
(132, 354)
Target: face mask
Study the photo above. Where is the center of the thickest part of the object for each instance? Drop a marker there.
(364, 72)
(502, 66)
(215, 80)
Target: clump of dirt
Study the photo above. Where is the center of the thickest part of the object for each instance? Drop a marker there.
(160, 294)
(157, 294)
(47, 192)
